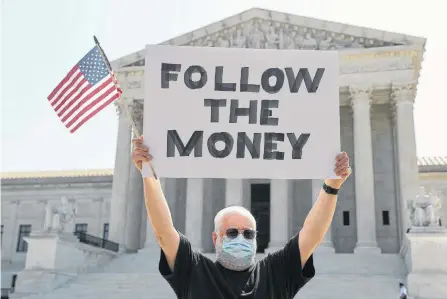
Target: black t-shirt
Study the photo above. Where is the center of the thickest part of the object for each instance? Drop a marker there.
(276, 276)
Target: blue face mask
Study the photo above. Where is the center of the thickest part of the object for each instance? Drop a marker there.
(236, 254)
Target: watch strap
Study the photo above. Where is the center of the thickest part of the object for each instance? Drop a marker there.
(330, 190)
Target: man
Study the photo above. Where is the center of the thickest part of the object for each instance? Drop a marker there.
(236, 273)
(402, 291)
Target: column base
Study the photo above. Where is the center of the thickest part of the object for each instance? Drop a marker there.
(367, 249)
(151, 249)
(324, 248)
(272, 249)
(131, 251)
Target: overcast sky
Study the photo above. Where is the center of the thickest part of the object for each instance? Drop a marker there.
(43, 39)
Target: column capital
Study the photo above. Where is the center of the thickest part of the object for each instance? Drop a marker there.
(403, 93)
(360, 94)
(119, 106)
(137, 110)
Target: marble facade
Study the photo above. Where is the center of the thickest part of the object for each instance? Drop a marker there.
(378, 80)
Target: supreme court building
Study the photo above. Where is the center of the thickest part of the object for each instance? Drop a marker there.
(378, 77)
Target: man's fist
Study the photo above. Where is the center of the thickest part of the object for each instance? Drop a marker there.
(140, 153)
(342, 169)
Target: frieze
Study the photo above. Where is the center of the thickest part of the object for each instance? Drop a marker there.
(376, 65)
(349, 64)
(131, 79)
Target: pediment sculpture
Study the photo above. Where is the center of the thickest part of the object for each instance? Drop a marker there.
(265, 34)
(60, 218)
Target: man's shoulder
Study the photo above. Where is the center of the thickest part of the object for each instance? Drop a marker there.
(199, 257)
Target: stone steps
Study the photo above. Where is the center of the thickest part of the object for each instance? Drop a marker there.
(339, 276)
(135, 286)
(113, 286)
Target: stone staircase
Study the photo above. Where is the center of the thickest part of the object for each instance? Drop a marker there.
(338, 276)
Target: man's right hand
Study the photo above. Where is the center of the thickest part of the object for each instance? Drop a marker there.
(156, 206)
(140, 153)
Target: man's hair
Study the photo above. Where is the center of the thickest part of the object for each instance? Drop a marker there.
(232, 210)
(401, 284)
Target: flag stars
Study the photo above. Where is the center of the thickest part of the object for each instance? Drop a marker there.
(93, 67)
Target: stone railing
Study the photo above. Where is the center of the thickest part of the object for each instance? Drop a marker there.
(54, 259)
(97, 242)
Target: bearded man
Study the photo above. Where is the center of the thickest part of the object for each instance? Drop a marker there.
(236, 273)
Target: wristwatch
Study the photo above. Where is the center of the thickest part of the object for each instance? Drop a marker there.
(330, 190)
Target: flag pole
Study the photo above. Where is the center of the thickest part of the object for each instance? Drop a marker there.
(120, 99)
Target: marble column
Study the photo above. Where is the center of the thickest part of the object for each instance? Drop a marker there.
(327, 244)
(120, 179)
(135, 200)
(364, 172)
(194, 212)
(99, 220)
(280, 193)
(11, 229)
(234, 192)
(169, 186)
(408, 173)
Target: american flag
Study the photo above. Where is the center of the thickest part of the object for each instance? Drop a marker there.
(86, 90)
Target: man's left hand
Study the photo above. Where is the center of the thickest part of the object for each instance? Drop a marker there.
(342, 169)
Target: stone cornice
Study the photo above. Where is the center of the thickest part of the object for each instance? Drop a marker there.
(43, 199)
(8, 177)
(55, 186)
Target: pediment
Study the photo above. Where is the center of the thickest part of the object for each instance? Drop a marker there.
(265, 29)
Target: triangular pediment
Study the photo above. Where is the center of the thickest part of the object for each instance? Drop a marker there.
(266, 29)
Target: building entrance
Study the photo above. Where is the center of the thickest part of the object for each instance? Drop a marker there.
(260, 208)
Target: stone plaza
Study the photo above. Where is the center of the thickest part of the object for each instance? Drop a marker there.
(386, 229)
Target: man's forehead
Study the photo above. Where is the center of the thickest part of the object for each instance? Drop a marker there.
(236, 220)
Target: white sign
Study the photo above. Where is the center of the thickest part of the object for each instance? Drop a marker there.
(241, 113)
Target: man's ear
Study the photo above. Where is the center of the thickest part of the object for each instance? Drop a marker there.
(214, 235)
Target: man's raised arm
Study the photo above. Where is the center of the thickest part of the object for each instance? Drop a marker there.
(320, 216)
(156, 206)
